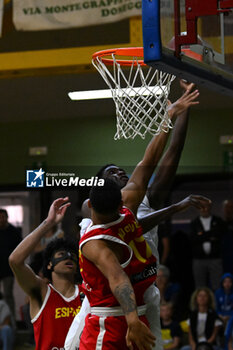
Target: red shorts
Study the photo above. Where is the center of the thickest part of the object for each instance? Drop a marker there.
(105, 333)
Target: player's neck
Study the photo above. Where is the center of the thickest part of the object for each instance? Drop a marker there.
(64, 285)
(99, 219)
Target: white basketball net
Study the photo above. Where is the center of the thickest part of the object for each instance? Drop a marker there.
(140, 95)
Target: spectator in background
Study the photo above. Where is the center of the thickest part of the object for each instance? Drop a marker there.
(10, 237)
(169, 292)
(171, 331)
(207, 233)
(224, 298)
(180, 259)
(228, 236)
(204, 324)
(6, 330)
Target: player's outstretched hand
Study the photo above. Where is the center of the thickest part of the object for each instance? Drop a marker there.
(57, 210)
(187, 100)
(196, 201)
(140, 335)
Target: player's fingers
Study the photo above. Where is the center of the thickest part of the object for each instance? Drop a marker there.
(59, 201)
(63, 208)
(193, 94)
(187, 92)
(192, 98)
(186, 82)
(194, 103)
(203, 198)
(190, 85)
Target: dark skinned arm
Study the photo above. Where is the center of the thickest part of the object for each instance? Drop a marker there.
(158, 191)
(153, 219)
(134, 191)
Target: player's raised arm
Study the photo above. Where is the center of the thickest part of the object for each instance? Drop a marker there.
(161, 185)
(134, 191)
(151, 220)
(32, 284)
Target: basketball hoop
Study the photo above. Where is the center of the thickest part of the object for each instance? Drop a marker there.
(140, 92)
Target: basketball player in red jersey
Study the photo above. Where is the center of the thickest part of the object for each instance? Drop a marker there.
(113, 252)
(52, 306)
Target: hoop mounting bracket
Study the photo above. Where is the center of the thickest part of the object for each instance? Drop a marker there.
(193, 10)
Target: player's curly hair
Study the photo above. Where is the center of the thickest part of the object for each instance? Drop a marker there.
(54, 246)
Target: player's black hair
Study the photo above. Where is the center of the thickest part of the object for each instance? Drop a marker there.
(107, 198)
(54, 246)
(101, 171)
(3, 211)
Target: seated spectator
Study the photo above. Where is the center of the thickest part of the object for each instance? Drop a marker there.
(224, 298)
(6, 330)
(171, 331)
(168, 291)
(204, 324)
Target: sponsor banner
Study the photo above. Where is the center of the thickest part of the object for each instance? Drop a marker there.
(58, 14)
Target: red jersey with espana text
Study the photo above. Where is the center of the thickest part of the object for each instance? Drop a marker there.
(139, 263)
(54, 319)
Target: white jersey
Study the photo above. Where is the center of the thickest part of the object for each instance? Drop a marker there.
(151, 236)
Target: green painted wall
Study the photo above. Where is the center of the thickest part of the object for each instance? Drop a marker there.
(89, 142)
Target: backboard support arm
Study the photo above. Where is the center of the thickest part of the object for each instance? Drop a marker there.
(193, 10)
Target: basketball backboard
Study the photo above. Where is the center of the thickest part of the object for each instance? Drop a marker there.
(192, 39)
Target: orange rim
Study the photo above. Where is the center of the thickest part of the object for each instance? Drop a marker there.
(126, 51)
